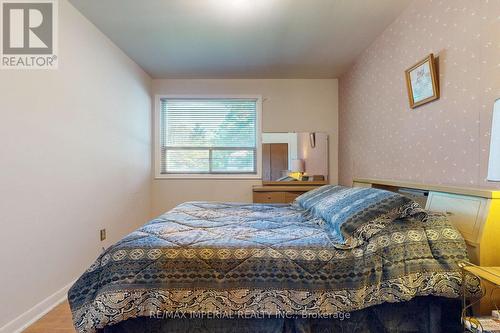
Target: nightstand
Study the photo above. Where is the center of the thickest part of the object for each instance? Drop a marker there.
(490, 282)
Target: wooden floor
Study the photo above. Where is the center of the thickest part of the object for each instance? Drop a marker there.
(56, 321)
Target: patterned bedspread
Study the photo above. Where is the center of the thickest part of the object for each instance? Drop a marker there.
(256, 259)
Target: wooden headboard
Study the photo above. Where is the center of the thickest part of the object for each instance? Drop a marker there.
(475, 212)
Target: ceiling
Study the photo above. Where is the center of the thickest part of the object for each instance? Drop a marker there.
(242, 38)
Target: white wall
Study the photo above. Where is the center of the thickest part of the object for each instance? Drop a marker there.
(290, 105)
(74, 158)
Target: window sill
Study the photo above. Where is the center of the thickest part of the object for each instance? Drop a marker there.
(212, 176)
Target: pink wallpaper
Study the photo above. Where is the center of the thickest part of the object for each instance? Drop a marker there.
(445, 141)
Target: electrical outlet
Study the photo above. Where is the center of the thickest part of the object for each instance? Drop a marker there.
(103, 234)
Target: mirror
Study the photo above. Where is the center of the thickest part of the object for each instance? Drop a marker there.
(295, 156)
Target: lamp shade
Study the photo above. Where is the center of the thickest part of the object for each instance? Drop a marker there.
(494, 163)
(298, 165)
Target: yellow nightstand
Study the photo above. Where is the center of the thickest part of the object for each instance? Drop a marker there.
(489, 278)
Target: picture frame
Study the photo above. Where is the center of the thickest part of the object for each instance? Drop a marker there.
(422, 82)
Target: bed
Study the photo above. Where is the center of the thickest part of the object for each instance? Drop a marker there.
(226, 267)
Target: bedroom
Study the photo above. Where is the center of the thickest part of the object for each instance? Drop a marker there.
(95, 145)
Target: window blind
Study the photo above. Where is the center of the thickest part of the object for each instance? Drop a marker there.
(208, 136)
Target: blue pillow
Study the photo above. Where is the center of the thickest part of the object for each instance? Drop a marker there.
(353, 215)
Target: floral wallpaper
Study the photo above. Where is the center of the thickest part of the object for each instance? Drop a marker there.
(445, 141)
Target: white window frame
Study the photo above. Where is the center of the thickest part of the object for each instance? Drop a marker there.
(157, 143)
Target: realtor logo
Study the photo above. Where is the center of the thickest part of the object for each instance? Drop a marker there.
(29, 34)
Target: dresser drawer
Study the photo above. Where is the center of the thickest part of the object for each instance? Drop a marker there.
(465, 212)
(358, 184)
(269, 197)
(280, 193)
(290, 196)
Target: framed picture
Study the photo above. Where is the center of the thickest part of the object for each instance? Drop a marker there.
(422, 82)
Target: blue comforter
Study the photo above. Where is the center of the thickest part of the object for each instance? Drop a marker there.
(256, 259)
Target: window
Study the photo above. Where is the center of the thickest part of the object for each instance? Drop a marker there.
(208, 137)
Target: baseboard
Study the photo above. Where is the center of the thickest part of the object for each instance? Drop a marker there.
(29, 317)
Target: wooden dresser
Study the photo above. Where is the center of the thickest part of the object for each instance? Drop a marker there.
(282, 192)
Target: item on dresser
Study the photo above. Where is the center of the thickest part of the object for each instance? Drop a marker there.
(297, 168)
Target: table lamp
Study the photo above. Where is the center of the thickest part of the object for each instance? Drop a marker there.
(297, 168)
